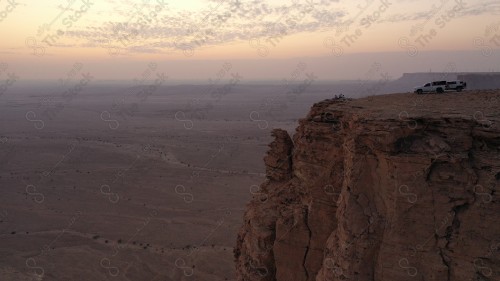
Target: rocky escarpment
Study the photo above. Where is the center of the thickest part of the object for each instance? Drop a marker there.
(394, 187)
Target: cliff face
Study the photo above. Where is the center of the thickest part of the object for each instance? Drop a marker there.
(380, 188)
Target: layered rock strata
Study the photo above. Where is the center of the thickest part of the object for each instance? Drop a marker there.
(394, 187)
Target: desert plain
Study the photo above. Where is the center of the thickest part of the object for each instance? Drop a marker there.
(106, 184)
(109, 184)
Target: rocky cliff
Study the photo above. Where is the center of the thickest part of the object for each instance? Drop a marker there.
(394, 187)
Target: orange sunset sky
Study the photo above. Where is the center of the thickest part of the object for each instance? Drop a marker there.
(190, 38)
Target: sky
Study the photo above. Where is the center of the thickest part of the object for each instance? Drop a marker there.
(194, 39)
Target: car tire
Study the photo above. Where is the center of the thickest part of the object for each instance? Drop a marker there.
(439, 90)
(419, 92)
(459, 89)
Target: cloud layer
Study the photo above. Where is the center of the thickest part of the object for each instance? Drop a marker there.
(157, 27)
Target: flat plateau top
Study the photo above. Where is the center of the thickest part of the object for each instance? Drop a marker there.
(480, 105)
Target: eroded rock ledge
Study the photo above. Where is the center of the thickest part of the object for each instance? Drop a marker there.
(394, 187)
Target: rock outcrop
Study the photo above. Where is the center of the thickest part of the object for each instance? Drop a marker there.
(394, 187)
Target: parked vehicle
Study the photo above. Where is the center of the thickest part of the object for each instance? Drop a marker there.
(456, 85)
(441, 87)
(436, 86)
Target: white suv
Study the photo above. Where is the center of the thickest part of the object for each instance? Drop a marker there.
(441, 86)
(456, 85)
(436, 86)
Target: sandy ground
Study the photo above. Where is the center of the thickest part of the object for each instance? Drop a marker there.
(108, 186)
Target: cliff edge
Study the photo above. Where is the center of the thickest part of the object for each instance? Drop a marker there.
(393, 187)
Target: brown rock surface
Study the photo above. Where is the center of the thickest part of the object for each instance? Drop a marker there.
(278, 160)
(393, 187)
